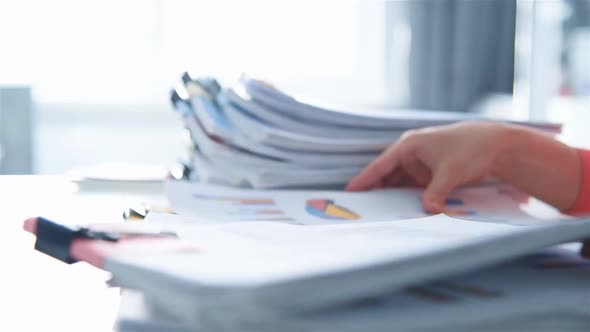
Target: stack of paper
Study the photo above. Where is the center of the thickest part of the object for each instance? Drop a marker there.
(252, 134)
(547, 291)
(271, 260)
(295, 260)
(426, 274)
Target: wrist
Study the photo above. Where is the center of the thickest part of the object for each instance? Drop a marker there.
(537, 164)
(509, 141)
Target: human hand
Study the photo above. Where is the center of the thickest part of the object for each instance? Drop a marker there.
(438, 158)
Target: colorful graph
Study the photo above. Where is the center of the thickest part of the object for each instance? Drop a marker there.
(257, 211)
(459, 213)
(452, 209)
(236, 200)
(246, 208)
(454, 201)
(328, 209)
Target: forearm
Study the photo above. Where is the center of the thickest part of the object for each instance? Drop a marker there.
(539, 165)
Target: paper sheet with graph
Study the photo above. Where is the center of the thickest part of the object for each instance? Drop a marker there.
(493, 203)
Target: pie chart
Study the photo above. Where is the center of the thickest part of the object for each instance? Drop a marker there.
(328, 209)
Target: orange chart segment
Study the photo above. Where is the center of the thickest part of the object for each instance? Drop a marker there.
(328, 209)
(245, 208)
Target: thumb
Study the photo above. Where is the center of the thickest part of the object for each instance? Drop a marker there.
(444, 180)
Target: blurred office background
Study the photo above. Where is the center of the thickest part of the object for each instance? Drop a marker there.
(85, 82)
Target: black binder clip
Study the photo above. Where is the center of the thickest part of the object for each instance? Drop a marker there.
(55, 239)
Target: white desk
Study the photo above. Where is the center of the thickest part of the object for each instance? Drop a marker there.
(39, 293)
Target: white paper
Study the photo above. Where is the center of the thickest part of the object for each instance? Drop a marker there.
(248, 268)
(341, 142)
(538, 290)
(239, 97)
(306, 112)
(215, 123)
(269, 252)
(490, 203)
(229, 172)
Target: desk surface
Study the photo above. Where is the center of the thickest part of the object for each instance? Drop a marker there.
(39, 293)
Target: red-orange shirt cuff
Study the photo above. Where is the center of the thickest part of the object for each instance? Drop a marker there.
(582, 205)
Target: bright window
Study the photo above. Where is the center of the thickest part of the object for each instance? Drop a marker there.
(132, 51)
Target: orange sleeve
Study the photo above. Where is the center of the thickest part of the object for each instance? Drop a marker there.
(582, 205)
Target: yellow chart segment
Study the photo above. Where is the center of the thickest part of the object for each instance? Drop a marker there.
(328, 209)
(338, 212)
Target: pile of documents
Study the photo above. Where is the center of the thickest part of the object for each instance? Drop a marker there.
(547, 291)
(236, 259)
(251, 134)
(272, 260)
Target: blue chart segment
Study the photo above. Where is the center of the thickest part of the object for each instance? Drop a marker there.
(453, 209)
(454, 201)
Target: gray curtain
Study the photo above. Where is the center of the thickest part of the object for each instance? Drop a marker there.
(460, 51)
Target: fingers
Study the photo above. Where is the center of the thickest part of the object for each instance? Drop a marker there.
(392, 180)
(399, 178)
(372, 175)
(419, 173)
(444, 180)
